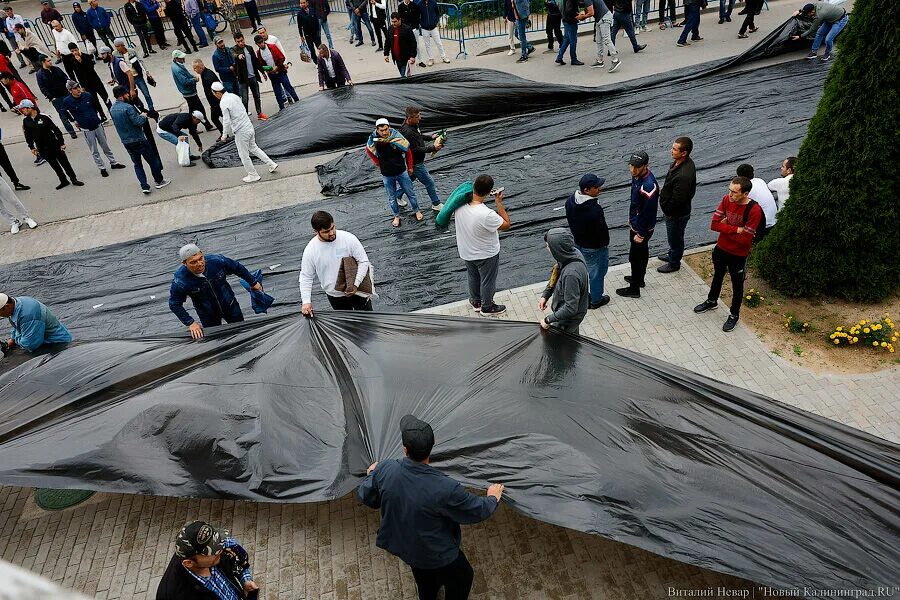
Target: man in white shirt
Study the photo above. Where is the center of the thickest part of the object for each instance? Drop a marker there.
(322, 258)
(780, 186)
(62, 38)
(478, 242)
(760, 192)
(236, 121)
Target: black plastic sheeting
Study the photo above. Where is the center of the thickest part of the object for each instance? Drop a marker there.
(344, 117)
(757, 116)
(583, 435)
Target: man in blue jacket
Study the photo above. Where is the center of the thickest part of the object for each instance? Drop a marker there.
(641, 220)
(101, 20)
(33, 325)
(223, 64)
(80, 107)
(82, 24)
(159, 30)
(203, 279)
(421, 511)
(130, 124)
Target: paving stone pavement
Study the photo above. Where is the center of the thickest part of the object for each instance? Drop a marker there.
(116, 546)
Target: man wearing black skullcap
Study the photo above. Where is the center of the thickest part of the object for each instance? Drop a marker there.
(421, 511)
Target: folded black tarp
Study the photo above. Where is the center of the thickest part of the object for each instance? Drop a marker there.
(583, 434)
(344, 117)
(757, 116)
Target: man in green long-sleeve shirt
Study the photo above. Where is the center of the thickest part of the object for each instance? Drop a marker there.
(828, 21)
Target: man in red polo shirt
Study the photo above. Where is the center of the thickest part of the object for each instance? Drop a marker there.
(736, 219)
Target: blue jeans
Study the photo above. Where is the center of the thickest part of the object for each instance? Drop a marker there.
(570, 41)
(323, 23)
(597, 260)
(364, 18)
(282, 87)
(828, 31)
(168, 136)
(406, 185)
(139, 150)
(197, 22)
(141, 84)
(623, 21)
(422, 174)
(691, 23)
(641, 10)
(675, 227)
(723, 13)
(521, 27)
(57, 104)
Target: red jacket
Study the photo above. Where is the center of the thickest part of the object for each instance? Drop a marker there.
(19, 91)
(726, 220)
(277, 56)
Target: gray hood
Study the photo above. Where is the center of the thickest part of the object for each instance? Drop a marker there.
(562, 246)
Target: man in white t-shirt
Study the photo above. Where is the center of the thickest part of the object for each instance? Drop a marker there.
(322, 258)
(780, 186)
(760, 192)
(478, 242)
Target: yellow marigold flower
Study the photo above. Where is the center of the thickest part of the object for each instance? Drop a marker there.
(874, 343)
(866, 330)
(837, 341)
(840, 328)
(832, 336)
(806, 324)
(748, 297)
(884, 344)
(856, 339)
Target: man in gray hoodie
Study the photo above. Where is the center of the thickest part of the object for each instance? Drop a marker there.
(568, 283)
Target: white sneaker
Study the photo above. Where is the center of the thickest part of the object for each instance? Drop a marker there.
(14, 229)
(446, 60)
(511, 52)
(251, 178)
(273, 168)
(402, 202)
(430, 62)
(437, 207)
(162, 184)
(30, 222)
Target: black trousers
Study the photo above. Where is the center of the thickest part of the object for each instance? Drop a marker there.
(69, 65)
(141, 32)
(107, 36)
(5, 93)
(554, 23)
(7, 166)
(194, 103)
(159, 32)
(734, 265)
(215, 115)
(751, 7)
(350, 303)
(184, 35)
(380, 25)
(456, 579)
(639, 256)
(331, 82)
(58, 160)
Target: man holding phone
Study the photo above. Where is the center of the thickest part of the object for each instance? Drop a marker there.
(478, 242)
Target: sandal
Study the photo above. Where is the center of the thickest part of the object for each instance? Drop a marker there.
(420, 216)
(396, 222)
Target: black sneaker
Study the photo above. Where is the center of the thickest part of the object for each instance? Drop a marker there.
(118, 166)
(628, 279)
(476, 306)
(73, 135)
(826, 57)
(664, 257)
(21, 186)
(668, 268)
(522, 59)
(62, 184)
(146, 189)
(604, 300)
(705, 306)
(493, 310)
(77, 183)
(577, 63)
(530, 49)
(730, 323)
(629, 292)
(104, 173)
(639, 48)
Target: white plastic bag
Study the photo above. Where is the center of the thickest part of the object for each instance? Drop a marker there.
(183, 151)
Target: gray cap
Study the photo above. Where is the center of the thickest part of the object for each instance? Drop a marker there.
(70, 85)
(120, 41)
(104, 50)
(187, 251)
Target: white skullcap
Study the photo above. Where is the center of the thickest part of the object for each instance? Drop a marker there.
(217, 87)
(187, 251)
(381, 122)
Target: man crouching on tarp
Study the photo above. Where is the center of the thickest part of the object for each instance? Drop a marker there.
(33, 324)
(203, 278)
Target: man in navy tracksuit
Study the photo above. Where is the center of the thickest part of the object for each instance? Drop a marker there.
(80, 107)
(641, 220)
(421, 511)
(203, 278)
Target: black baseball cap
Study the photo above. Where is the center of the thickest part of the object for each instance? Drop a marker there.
(199, 537)
(808, 8)
(638, 159)
(417, 435)
(590, 180)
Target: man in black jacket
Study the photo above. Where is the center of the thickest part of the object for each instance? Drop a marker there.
(83, 64)
(591, 233)
(52, 82)
(137, 16)
(175, 11)
(247, 72)
(419, 148)
(207, 78)
(207, 565)
(400, 45)
(675, 201)
(46, 140)
(421, 511)
(308, 26)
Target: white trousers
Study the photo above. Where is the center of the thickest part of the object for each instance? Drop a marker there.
(11, 208)
(512, 34)
(433, 34)
(97, 137)
(246, 145)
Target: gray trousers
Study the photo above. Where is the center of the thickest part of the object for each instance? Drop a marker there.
(604, 39)
(483, 279)
(95, 137)
(11, 208)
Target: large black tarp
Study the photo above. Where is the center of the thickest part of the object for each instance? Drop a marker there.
(583, 434)
(757, 116)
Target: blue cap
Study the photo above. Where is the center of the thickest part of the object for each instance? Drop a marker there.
(590, 180)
